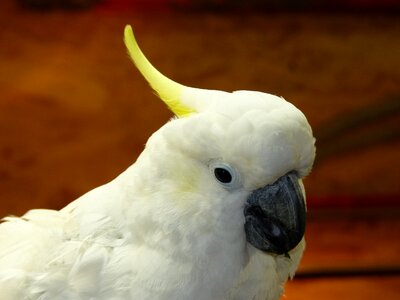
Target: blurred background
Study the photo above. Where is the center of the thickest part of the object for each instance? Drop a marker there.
(74, 112)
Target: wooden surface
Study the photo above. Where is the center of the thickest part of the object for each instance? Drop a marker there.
(359, 288)
(349, 256)
(74, 113)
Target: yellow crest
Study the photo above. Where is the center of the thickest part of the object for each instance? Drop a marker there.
(168, 90)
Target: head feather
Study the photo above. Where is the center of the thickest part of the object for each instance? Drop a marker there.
(168, 90)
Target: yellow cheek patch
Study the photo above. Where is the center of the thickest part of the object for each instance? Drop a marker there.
(168, 90)
(185, 183)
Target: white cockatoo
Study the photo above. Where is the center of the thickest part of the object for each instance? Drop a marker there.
(213, 209)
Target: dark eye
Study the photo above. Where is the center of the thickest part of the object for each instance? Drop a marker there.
(223, 175)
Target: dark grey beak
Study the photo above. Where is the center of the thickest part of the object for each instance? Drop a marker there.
(275, 216)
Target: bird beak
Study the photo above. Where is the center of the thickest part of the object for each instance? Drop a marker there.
(275, 216)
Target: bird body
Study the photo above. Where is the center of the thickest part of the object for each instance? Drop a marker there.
(188, 220)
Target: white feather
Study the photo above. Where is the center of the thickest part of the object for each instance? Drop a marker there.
(165, 229)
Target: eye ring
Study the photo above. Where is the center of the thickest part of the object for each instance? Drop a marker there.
(225, 174)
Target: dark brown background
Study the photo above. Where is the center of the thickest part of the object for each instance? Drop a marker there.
(74, 112)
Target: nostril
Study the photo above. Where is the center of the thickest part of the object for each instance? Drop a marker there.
(255, 211)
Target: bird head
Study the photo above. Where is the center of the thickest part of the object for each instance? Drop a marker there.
(233, 162)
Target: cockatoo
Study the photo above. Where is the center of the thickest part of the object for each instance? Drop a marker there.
(213, 209)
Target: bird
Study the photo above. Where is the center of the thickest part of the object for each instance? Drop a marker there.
(213, 208)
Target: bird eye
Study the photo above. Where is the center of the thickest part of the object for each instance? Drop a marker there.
(225, 174)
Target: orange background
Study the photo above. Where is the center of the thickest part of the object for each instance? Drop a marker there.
(74, 113)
